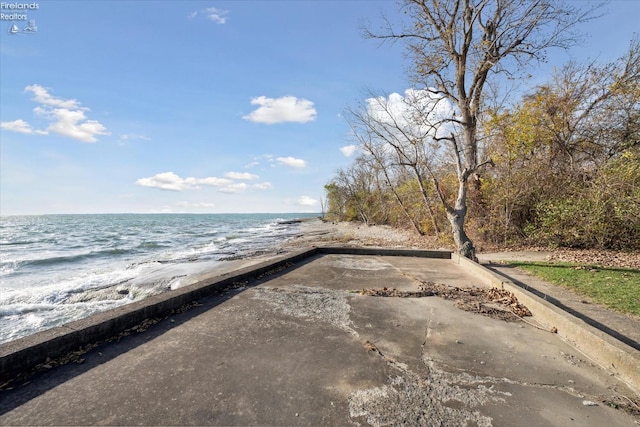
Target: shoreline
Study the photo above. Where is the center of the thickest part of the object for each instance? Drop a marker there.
(314, 231)
(357, 234)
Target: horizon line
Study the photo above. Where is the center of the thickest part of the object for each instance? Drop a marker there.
(166, 213)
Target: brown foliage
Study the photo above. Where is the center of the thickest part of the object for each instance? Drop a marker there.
(492, 302)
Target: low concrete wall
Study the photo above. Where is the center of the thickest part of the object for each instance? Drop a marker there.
(23, 354)
(613, 355)
(345, 250)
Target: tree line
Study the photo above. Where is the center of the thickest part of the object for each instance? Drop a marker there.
(559, 166)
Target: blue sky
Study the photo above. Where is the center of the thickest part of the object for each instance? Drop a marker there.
(199, 106)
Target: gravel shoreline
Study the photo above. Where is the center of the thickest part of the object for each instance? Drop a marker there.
(315, 232)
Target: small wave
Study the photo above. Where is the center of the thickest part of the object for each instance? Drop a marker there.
(21, 309)
(26, 319)
(18, 242)
(74, 258)
(115, 251)
(54, 260)
(69, 267)
(152, 245)
(8, 267)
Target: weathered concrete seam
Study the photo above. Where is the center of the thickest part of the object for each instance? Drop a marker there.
(613, 355)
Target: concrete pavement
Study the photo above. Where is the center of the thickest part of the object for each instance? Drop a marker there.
(301, 347)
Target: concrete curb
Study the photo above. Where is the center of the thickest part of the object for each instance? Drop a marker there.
(610, 353)
(346, 250)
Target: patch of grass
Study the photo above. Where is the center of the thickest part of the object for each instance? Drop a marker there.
(615, 288)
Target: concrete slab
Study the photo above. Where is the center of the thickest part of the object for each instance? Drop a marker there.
(618, 354)
(518, 364)
(299, 348)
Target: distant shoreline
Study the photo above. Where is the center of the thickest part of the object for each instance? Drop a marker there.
(306, 214)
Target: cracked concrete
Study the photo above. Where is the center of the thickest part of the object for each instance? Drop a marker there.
(312, 304)
(299, 348)
(486, 372)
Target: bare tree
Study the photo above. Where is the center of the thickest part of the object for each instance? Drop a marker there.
(359, 187)
(457, 46)
(323, 205)
(592, 109)
(393, 137)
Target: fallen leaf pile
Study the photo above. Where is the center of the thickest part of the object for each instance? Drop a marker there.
(386, 292)
(492, 302)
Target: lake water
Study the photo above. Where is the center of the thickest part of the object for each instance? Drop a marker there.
(59, 268)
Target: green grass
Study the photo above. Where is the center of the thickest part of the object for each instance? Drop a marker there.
(615, 288)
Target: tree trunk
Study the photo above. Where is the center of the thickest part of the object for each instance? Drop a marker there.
(456, 217)
(363, 217)
(427, 202)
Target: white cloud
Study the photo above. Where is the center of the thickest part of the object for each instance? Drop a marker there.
(172, 182)
(234, 188)
(164, 181)
(67, 118)
(43, 97)
(262, 186)
(433, 111)
(133, 136)
(281, 110)
(307, 201)
(257, 160)
(73, 124)
(241, 175)
(219, 16)
(20, 126)
(213, 181)
(348, 150)
(292, 162)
